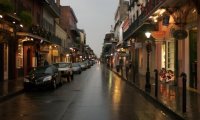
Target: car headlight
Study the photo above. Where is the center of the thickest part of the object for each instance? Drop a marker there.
(47, 78)
(26, 80)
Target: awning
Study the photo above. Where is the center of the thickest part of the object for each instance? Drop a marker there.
(53, 40)
(33, 36)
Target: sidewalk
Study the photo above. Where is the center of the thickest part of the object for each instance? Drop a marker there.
(10, 88)
(169, 97)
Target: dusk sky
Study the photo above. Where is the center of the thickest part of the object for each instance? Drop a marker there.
(95, 17)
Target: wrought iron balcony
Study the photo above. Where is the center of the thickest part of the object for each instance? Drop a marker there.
(37, 30)
(52, 5)
(55, 40)
(146, 12)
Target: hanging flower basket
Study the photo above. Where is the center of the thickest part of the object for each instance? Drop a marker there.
(180, 34)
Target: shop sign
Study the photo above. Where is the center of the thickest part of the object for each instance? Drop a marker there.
(55, 52)
(180, 34)
(138, 45)
(44, 48)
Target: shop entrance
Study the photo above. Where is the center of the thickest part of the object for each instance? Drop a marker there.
(28, 57)
(193, 58)
(1, 62)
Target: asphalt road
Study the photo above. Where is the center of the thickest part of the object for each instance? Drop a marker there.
(95, 94)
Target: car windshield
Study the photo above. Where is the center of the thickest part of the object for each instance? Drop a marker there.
(75, 65)
(42, 70)
(62, 65)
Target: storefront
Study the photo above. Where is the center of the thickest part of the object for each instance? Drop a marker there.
(4, 57)
(7, 46)
(192, 47)
(32, 51)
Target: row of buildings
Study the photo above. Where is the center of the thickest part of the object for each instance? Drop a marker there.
(32, 31)
(174, 29)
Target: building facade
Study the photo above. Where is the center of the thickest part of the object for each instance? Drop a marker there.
(174, 38)
(32, 36)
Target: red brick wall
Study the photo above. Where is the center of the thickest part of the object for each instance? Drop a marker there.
(33, 6)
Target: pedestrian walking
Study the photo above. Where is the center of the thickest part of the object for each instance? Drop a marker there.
(46, 63)
(127, 68)
(121, 63)
(70, 76)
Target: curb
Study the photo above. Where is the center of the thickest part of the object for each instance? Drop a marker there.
(11, 95)
(153, 100)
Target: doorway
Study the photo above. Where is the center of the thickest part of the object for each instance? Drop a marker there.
(1, 62)
(193, 58)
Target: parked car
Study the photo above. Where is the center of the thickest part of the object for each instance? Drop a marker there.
(64, 68)
(46, 76)
(83, 66)
(87, 64)
(76, 67)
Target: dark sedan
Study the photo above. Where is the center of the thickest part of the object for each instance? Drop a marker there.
(43, 77)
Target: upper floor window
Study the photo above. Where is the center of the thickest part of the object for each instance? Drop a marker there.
(133, 18)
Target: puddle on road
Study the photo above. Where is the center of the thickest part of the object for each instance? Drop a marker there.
(55, 101)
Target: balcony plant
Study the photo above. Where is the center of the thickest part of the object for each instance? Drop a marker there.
(26, 18)
(6, 6)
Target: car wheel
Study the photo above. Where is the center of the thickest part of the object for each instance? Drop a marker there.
(26, 87)
(61, 81)
(54, 84)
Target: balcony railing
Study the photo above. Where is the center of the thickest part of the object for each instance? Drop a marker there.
(37, 30)
(53, 6)
(151, 6)
(55, 40)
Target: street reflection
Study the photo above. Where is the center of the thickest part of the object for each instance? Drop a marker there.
(20, 109)
(110, 81)
(115, 88)
(167, 94)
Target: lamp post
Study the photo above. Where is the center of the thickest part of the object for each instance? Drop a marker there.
(148, 48)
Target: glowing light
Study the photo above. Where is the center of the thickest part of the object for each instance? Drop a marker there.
(162, 11)
(194, 11)
(1, 16)
(150, 17)
(13, 22)
(21, 25)
(148, 34)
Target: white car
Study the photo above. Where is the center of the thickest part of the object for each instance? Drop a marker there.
(64, 68)
(76, 68)
(83, 66)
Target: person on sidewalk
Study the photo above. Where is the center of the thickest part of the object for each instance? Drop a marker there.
(128, 65)
(121, 65)
(70, 76)
(46, 63)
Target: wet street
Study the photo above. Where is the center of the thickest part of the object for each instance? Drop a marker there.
(95, 94)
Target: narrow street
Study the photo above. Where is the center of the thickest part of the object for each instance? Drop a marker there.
(95, 94)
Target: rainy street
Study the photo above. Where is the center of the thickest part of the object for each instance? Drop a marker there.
(95, 94)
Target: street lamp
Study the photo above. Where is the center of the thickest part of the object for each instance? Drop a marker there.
(148, 48)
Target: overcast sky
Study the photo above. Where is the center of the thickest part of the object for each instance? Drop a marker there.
(95, 17)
